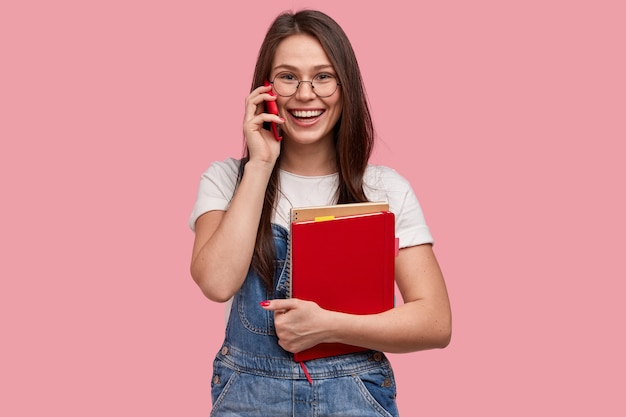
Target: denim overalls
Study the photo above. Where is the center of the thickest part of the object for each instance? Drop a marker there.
(254, 376)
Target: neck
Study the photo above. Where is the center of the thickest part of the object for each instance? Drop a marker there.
(308, 160)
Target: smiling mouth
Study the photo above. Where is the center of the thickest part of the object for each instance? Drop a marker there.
(306, 114)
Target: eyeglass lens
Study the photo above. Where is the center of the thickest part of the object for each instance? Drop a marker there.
(323, 85)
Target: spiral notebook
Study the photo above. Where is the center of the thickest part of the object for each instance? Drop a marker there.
(342, 257)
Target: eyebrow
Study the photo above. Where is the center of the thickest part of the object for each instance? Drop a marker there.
(292, 68)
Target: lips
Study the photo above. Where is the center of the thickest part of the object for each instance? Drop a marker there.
(306, 114)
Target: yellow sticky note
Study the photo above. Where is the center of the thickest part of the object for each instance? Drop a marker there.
(324, 218)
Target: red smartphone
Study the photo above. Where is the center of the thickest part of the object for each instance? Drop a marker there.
(272, 108)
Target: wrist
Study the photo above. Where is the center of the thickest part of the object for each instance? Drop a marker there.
(337, 327)
(259, 167)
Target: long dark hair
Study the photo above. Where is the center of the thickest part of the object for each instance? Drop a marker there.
(354, 132)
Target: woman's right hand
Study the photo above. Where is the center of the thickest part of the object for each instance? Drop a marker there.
(262, 146)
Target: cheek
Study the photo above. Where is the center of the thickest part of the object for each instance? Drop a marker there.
(337, 110)
(280, 102)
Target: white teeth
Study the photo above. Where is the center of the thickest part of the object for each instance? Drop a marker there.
(308, 113)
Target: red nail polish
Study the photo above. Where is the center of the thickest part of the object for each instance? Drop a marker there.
(264, 303)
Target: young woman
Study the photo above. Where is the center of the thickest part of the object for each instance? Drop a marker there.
(241, 229)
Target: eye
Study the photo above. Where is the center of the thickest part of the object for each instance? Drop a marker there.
(286, 77)
(324, 77)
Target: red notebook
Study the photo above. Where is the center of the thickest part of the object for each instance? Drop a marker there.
(344, 264)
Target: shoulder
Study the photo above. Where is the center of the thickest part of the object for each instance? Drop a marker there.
(222, 175)
(382, 183)
(217, 185)
(380, 178)
(225, 169)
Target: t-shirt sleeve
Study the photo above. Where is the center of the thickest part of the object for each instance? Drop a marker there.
(386, 184)
(217, 185)
(411, 225)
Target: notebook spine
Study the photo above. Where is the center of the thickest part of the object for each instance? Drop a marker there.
(390, 267)
(288, 268)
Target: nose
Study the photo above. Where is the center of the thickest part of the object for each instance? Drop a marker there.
(305, 92)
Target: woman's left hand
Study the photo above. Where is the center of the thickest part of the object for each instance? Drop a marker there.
(299, 324)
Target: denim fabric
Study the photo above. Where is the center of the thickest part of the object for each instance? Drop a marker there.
(254, 377)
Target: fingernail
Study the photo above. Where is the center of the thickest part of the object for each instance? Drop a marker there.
(264, 303)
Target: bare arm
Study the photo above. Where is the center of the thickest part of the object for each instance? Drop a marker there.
(224, 240)
(422, 322)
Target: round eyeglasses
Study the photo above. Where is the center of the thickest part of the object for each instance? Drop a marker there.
(323, 85)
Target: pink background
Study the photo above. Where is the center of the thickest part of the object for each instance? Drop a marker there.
(507, 117)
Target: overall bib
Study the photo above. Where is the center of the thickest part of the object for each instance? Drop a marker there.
(254, 377)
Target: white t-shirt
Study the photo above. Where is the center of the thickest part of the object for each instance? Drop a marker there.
(381, 183)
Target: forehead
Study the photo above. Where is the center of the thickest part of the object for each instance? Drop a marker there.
(300, 51)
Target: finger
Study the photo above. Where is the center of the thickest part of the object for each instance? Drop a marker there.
(258, 95)
(278, 305)
(256, 115)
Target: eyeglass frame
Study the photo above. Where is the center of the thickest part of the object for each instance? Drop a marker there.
(305, 81)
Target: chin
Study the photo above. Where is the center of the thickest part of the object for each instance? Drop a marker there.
(309, 138)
